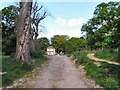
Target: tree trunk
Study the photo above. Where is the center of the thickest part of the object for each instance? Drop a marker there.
(23, 32)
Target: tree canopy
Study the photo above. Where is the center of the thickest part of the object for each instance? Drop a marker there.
(43, 43)
(9, 18)
(102, 30)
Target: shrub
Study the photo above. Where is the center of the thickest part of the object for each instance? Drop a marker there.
(36, 54)
(26, 66)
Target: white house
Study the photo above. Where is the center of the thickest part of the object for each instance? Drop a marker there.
(50, 50)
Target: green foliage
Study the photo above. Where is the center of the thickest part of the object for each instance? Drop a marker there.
(42, 44)
(103, 29)
(9, 44)
(68, 45)
(59, 42)
(17, 70)
(107, 54)
(36, 54)
(9, 17)
(75, 44)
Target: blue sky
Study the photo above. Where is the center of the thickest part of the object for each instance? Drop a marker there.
(68, 17)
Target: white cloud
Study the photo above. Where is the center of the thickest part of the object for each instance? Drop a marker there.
(61, 21)
(69, 32)
(61, 26)
(73, 22)
(76, 22)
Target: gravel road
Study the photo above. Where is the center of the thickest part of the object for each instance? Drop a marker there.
(60, 72)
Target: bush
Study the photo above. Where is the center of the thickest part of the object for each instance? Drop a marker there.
(26, 66)
(81, 57)
(36, 54)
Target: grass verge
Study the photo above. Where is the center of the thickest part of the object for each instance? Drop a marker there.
(105, 75)
(17, 70)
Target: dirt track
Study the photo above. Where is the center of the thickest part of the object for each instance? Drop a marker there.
(92, 57)
(60, 72)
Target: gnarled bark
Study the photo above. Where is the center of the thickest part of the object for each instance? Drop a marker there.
(23, 32)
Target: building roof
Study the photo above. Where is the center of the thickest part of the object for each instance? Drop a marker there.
(50, 47)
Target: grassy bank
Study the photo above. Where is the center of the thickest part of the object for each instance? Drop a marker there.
(105, 75)
(17, 70)
(106, 54)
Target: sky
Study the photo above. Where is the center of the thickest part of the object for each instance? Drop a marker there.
(67, 17)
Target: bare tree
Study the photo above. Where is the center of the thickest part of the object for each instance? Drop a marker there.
(38, 14)
(23, 31)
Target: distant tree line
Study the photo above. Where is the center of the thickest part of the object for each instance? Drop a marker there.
(65, 44)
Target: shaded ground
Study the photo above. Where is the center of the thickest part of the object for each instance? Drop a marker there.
(61, 72)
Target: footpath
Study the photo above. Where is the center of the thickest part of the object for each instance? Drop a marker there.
(92, 57)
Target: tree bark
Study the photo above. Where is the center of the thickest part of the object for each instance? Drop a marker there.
(23, 32)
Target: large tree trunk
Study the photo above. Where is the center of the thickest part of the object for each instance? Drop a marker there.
(23, 32)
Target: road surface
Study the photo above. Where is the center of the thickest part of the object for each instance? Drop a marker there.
(60, 72)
